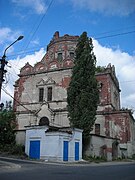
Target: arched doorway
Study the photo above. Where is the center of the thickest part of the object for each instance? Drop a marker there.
(103, 151)
(44, 121)
(115, 149)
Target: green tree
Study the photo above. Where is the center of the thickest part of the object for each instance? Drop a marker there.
(7, 127)
(82, 94)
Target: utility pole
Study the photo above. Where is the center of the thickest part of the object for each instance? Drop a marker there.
(2, 72)
(3, 62)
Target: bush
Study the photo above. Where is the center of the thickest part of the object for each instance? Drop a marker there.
(117, 159)
(18, 150)
(95, 159)
(6, 148)
(7, 127)
(14, 149)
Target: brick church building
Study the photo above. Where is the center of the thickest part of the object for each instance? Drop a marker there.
(41, 92)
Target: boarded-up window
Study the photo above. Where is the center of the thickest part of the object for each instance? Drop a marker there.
(49, 94)
(59, 56)
(71, 55)
(97, 129)
(41, 94)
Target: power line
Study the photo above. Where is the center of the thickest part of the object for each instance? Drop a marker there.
(39, 47)
(113, 35)
(13, 80)
(39, 24)
(26, 52)
(37, 27)
(27, 108)
(15, 100)
(115, 30)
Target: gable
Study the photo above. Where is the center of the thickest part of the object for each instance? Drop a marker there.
(49, 81)
(43, 82)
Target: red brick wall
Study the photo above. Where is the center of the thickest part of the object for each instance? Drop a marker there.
(18, 91)
(122, 122)
(105, 93)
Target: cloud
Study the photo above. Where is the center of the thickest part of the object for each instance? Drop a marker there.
(35, 42)
(108, 7)
(4, 34)
(7, 34)
(38, 6)
(16, 65)
(124, 67)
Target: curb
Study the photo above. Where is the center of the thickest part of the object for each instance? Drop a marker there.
(8, 165)
(80, 163)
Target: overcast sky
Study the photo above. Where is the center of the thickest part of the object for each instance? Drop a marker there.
(109, 22)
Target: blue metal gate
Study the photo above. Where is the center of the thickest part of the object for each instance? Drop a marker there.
(34, 151)
(65, 151)
(76, 151)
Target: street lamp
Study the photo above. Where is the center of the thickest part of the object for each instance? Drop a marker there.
(19, 38)
(3, 62)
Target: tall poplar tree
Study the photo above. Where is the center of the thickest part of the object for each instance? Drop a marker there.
(82, 94)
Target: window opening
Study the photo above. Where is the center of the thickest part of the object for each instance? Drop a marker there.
(49, 94)
(72, 55)
(59, 56)
(97, 129)
(41, 94)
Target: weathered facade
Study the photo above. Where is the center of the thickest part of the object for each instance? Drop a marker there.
(41, 91)
(113, 134)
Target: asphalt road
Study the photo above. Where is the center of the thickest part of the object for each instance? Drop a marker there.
(23, 170)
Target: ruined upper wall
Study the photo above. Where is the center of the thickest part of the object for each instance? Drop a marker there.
(60, 51)
(60, 54)
(109, 87)
(62, 39)
(110, 69)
